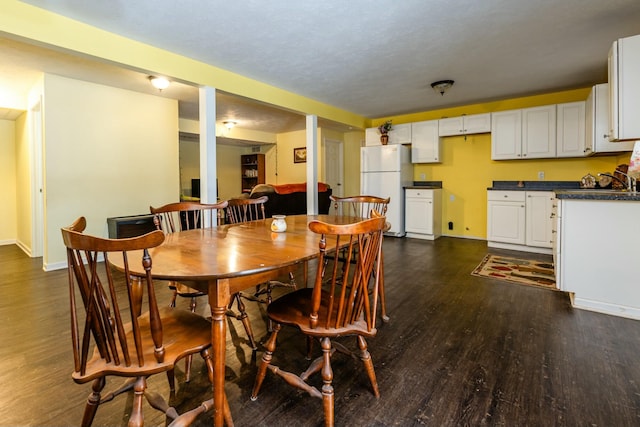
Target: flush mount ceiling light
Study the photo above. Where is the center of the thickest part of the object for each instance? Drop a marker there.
(159, 82)
(441, 86)
(229, 124)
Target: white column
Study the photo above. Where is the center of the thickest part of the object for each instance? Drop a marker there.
(208, 170)
(312, 165)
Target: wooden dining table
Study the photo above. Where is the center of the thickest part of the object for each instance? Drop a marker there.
(227, 259)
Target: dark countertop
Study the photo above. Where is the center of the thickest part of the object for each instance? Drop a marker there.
(598, 194)
(535, 185)
(425, 185)
(566, 190)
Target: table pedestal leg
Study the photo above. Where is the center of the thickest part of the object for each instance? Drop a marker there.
(218, 300)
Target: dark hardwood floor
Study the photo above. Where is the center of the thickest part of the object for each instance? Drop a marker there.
(459, 351)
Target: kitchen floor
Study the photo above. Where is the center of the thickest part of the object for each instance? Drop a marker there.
(458, 350)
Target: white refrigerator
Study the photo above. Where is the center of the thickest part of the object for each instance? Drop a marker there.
(385, 171)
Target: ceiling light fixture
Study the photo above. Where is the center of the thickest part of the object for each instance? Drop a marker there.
(441, 86)
(159, 82)
(229, 124)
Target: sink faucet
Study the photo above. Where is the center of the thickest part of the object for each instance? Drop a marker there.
(630, 184)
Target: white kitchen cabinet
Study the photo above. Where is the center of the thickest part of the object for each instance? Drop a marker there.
(425, 142)
(539, 218)
(506, 135)
(570, 130)
(371, 137)
(529, 133)
(520, 220)
(423, 213)
(597, 122)
(539, 132)
(400, 134)
(506, 215)
(624, 89)
(465, 125)
(598, 255)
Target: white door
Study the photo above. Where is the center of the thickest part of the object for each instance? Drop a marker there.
(333, 166)
(37, 186)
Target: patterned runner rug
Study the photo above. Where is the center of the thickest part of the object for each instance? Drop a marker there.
(526, 272)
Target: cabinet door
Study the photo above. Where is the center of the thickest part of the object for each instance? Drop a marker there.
(539, 132)
(570, 130)
(425, 142)
(400, 134)
(506, 222)
(506, 135)
(451, 126)
(371, 137)
(624, 90)
(539, 208)
(597, 126)
(477, 123)
(419, 212)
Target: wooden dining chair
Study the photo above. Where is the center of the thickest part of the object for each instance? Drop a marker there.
(117, 328)
(362, 206)
(243, 210)
(182, 216)
(345, 304)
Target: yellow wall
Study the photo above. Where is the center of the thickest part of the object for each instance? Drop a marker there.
(467, 169)
(8, 224)
(108, 152)
(23, 159)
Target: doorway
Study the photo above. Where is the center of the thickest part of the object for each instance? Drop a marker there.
(333, 166)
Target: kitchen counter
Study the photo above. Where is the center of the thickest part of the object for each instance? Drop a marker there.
(598, 194)
(424, 185)
(535, 185)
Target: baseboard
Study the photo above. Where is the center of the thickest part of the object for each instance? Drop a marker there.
(521, 248)
(606, 308)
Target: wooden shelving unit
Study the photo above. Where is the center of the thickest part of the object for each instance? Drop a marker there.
(252, 170)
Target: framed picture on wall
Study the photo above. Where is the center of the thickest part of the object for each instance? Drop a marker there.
(300, 155)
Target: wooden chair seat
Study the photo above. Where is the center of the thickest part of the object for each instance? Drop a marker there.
(294, 308)
(181, 345)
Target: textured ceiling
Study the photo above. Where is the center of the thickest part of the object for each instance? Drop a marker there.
(378, 57)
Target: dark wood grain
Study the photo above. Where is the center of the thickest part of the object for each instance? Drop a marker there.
(459, 350)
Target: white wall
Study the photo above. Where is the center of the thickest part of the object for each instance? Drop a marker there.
(8, 212)
(108, 152)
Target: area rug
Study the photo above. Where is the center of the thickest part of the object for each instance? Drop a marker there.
(522, 271)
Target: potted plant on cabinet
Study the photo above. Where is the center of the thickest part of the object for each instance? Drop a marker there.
(384, 132)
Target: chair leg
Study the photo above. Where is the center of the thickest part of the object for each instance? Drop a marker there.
(383, 303)
(269, 346)
(327, 387)
(244, 318)
(93, 402)
(187, 360)
(365, 356)
(208, 360)
(136, 419)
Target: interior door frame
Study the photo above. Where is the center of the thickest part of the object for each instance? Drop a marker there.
(337, 146)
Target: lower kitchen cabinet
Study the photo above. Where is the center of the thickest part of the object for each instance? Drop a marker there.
(423, 213)
(520, 220)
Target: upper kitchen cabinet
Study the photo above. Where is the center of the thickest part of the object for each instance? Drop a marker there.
(539, 132)
(399, 134)
(425, 145)
(624, 90)
(506, 135)
(465, 125)
(597, 122)
(529, 133)
(570, 130)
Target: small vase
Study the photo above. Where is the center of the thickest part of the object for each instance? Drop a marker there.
(278, 224)
(384, 139)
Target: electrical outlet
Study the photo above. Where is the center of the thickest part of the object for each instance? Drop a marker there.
(541, 176)
(422, 177)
